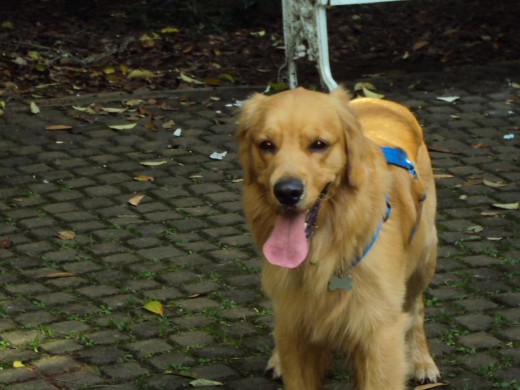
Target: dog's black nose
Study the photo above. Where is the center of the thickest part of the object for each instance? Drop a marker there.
(288, 191)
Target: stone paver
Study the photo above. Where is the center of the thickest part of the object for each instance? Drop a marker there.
(72, 310)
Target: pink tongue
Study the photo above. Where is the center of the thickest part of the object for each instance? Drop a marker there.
(287, 245)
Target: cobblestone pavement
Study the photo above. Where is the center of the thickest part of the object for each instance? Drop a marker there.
(71, 307)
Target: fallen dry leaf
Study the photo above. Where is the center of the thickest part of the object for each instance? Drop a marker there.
(490, 213)
(188, 79)
(474, 229)
(58, 127)
(134, 102)
(419, 45)
(127, 126)
(153, 163)
(212, 81)
(5, 243)
(205, 383)
(113, 110)
(507, 206)
(494, 184)
(448, 99)
(358, 87)
(141, 74)
(34, 108)
(441, 149)
(144, 178)
(8, 25)
(371, 94)
(442, 176)
(136, 200)
(473, 180)
(57, 275)
(155, 307)
(168, 125)
(429, 386)
(89, 109)
(169, 30)
(66, 235)
(226, 76)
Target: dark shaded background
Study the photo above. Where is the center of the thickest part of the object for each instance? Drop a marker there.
(57, 47)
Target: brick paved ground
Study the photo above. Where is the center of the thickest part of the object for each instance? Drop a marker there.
(72, 310)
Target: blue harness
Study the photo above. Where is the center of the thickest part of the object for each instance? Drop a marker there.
(397, 157)
(393, 156)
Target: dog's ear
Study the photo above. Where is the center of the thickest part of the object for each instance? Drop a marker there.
(356, 143)
(249, 117)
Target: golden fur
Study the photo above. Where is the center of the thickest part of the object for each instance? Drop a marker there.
(379, 323)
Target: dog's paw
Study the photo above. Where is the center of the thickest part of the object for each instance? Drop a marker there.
(274, 366)
(426, 372)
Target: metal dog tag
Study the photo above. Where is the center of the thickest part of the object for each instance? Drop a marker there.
(340, 283)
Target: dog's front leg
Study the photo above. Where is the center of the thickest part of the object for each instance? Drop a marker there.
(302, 365)
(380, 359)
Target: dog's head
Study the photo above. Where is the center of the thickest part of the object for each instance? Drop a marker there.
(295, 145)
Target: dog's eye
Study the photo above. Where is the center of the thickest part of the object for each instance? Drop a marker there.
(319, 146)
(268, 146)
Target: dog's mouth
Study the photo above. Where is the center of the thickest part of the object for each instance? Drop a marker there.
(288, 244)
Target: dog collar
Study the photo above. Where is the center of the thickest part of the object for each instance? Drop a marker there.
(310, 221)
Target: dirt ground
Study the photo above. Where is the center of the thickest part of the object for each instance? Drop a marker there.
(54, 48)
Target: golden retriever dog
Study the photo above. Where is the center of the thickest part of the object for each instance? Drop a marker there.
(347, 233)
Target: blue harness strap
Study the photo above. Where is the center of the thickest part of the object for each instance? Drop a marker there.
(396, 156)
(376, 235)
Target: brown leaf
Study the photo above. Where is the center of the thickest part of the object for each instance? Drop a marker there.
(143, 111)
(150, 124)
(212, 81)
(66, 235)
(430, 386)
(490, 213)
(507, 206)
(419, 45)
(441, 149)
(442, 176)
(494, 184)
(58, 127)
(57, 275)
(473, 180)
(168, 125)
(5, 243)
(144, 178)
(136, 200)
